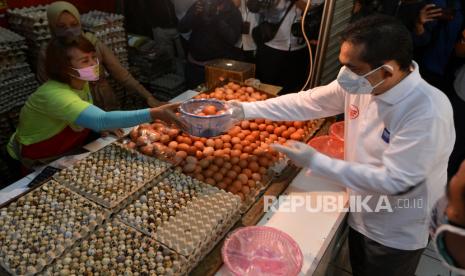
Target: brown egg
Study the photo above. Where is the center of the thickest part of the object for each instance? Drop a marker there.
(209, 110)
(243, 163)
(180, 139)
(183, 147)
(210, 143)
(181, 154)
(223, 171)
(245, 124)
(256, 177)
(234, 160)
(262, 171)
(227, 152)
(218, 144)
(254, 166)
(253, 126)
(199, 154)
(204, 163)
(286, 134)
(227, 145)
(241, 136)
(173, 133)
(235, 140)
(245, 190)
(208, 151)
(231, 174)
(237, 185)
(165, 138)
(232, 189)
(200, 177)
(243, 178)
(234, 131)
(208, 173)
(247, 172)
(210, 181)
(142, 141)
(222, 185)
(218, 176)
(270, 128)
(235, 153)
(298, 124)
(173, 145)
(278, 131)
(227, 165)
(227, 180)
(218, 161)
(199, 145)
(251, 183)
(191, 159)
(263, 161)
(226, 138)
(296, 136)
(237, 169)
(188, 168)
(247, 149)
(134, 133)
(214, 168)
(198, 169)
(147, 150)
(219, 153)
(244, 156)
(237, 147)
(241, 195)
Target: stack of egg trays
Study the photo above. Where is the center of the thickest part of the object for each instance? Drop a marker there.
(168, 195)
(15, 91)
(23, 218)
(119, 258)
(196, 230)
(12, 56)
(122, 171)
(109, 29)
(197, 226)
(32, 23)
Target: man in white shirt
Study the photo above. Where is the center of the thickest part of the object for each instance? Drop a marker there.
(399, 135)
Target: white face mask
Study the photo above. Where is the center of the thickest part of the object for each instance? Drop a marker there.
(356, 84)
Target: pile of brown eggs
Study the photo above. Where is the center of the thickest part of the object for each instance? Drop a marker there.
(237, 161)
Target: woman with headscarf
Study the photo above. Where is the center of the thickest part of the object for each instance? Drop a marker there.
(64, 23)
(58, 118)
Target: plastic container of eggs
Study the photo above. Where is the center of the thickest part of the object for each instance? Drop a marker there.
(206, 117)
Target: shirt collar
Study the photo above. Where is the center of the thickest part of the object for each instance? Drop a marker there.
(403, 88)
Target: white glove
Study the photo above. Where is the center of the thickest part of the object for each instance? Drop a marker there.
(236, 109)
(300, 153)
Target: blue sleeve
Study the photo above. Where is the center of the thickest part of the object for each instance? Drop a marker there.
(98, 120)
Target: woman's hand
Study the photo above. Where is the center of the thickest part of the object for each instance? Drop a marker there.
(167, 113)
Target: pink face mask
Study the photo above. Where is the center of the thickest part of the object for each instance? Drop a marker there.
(90, 73)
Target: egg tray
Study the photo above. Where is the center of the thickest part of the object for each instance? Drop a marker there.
(66, 217)
(196, 230)
(122, 171)
(117, 249)
(158, 205)
(202, 220)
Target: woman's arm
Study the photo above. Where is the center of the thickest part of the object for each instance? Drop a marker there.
(98, 120)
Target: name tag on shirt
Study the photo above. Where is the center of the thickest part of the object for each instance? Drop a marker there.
(386, 135)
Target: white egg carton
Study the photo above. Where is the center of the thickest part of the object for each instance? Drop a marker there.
(117, 249)
(15, 91)
(39, 226)
(111, 175)
(195, 230)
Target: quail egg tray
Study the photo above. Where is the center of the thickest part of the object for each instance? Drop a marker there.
(117, 249)
(111, 175)
(162, 202)
(40, 225)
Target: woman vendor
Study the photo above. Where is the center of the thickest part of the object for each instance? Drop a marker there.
(64, 23)
(59, 116)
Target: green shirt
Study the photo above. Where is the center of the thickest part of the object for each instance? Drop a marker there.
(49, 110)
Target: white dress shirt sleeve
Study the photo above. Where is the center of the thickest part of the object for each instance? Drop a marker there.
(412, 153)
(320, 102)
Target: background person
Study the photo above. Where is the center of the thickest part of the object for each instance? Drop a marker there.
(64, 22)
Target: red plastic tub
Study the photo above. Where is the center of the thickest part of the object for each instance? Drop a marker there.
(260, 251)
(337, 130)
(329, 145)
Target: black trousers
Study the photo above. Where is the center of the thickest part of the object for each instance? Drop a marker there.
(288, 69)
(369, 258)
